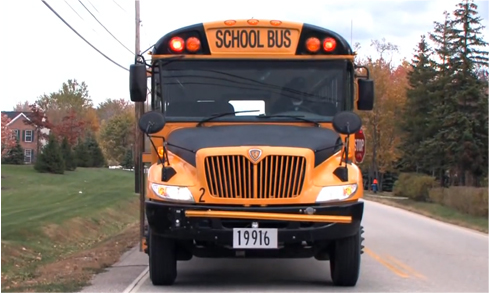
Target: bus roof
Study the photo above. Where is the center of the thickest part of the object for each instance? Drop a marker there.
(252, 37)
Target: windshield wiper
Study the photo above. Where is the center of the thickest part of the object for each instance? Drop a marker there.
(214, 116)
(290, 116)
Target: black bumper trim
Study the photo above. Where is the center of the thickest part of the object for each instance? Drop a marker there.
(169, 220)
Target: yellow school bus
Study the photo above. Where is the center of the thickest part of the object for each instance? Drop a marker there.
(252, 130)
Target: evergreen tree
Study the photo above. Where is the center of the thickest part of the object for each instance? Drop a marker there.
(82, 155)
(15, 155)
(436, 147)
(51, 159)
(68, 155)
(471, 141)
(95, 152)
(415, 115)
(128, 161)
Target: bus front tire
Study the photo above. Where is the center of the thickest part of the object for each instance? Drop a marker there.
(162, 260)
(345, 260)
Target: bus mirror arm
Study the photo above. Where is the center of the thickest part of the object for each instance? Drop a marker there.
(167, 171)
(362, 76)
(346, 123)
(150, 123)
(342, 171)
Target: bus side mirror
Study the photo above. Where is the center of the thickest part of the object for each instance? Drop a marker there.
(138, 85)
(365, 94)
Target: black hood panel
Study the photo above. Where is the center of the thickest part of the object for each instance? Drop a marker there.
(194, 139)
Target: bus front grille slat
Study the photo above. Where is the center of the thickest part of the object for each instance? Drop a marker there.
(274, 177)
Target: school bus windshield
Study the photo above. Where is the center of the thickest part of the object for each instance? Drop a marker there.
(190, 90)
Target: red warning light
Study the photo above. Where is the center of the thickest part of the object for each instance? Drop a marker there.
(329, 44)
(177, 44)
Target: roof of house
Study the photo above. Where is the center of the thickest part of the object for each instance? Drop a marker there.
(14, 115)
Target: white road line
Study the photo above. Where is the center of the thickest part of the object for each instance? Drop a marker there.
(138, 281)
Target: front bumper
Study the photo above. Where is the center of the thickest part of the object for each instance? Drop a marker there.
(211, 223)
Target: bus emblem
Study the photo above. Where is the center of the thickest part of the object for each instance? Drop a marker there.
(255, 154)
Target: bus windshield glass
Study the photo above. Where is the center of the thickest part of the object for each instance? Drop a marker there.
(191, 90)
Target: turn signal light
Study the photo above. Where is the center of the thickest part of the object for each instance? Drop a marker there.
(193, 44)
(313, 44)
(177, 44)
(329, 44)
(160, 152)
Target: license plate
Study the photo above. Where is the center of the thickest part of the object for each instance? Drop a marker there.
(254, 238)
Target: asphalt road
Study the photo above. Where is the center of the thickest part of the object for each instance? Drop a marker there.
(404, 252)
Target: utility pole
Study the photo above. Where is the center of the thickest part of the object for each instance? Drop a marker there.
(139, 139)
(139, 110)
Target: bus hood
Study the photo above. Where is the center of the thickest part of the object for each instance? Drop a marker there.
(185, 142)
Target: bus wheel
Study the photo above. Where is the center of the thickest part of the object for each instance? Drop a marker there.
(162, 260)
(345, 260)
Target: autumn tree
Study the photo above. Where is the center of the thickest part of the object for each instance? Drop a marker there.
(72, 97)
(8, 139)
(22, 106)
(112, 107)
(116, 136)
(380, 130)
(71, 128)
(50, 160)
(39, 121)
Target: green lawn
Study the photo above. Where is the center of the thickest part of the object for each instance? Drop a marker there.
(47, 217)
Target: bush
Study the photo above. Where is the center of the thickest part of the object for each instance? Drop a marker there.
(484, 182)
(51, 159)
(95, 152)
(68, 155)
(469, 200)
(15, 156)
(88, 154)
(82, 156)
(414, 186)
(128, 161)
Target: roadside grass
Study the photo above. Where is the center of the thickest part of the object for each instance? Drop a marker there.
(49, 219)
(432, 210)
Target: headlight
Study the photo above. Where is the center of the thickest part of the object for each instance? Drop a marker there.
(339, 192)
(172, 193)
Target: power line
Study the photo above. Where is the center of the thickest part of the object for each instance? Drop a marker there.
(43, 1)
(74, 10)
(93, 6)
(119, 6)
(105, 27)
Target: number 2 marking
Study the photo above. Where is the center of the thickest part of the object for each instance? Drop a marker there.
(201, 195)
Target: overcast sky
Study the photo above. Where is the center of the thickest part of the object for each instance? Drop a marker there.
(40, 52)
